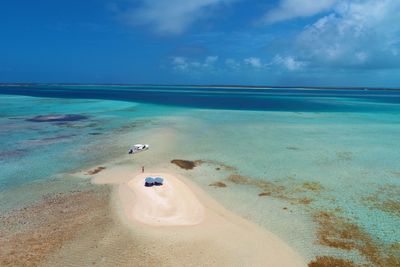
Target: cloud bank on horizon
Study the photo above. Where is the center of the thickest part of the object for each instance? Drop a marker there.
(324, 42)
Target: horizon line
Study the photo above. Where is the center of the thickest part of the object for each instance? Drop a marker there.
(206, 85)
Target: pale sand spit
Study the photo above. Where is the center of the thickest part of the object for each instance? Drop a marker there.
(185, 226)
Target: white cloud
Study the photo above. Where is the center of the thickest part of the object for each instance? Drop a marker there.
(232, 64)
(169, 17)
(210, 60)
(187, 65)
(210, 64)
(358, 33)
(254, 62)
(288, 62)
(180, 63)
(290, 9)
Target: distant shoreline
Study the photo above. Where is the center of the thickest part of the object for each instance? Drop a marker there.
(206, 85)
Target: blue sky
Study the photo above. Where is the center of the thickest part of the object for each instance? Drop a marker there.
(277, 42)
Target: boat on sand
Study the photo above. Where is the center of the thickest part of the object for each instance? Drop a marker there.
(138, 148)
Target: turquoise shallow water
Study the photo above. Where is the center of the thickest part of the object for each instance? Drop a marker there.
(38, 150)
(348, 152)
(353, 156)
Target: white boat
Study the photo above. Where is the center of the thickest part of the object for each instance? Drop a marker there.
(138, 148)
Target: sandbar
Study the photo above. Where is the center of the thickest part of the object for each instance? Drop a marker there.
(183, 225)
(171, 204)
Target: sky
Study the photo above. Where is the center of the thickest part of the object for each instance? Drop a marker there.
(235, 42)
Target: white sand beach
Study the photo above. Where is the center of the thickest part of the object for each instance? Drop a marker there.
(184, 226)
(171, 204)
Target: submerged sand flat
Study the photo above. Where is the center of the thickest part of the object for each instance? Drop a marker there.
(182, 225)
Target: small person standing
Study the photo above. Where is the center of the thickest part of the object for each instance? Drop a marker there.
(142, 169)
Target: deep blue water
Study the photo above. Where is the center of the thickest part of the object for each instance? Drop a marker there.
(235, 98)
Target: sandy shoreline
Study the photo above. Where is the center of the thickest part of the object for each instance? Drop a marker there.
(185, 226)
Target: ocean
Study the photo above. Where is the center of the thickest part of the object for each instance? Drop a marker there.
(317, 167)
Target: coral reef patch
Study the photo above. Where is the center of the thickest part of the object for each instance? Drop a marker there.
(218, 184)
(292, 192)
(328, 261)
(186, 164)
(96, 170)
(386, 198)
(30, 234)
(341, 233)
